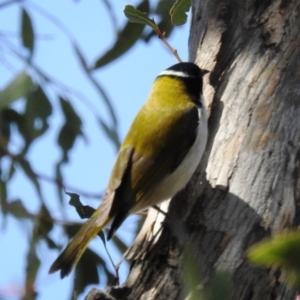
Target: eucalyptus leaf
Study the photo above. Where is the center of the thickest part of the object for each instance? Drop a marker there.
(27, 33)
(32, 268)
(5, 130)
(40, 103)
(136, 16)
(44, 223)
(3, 199)
(3, 192)
(50, 243)
(38, 109)
(17, 209)
(162, 10)
(86, 271)
(17, 88)
(26, 167)
(126, 38)
(71, 229)
(71, 129)
(59, 179)
(178, 12)
(84, 211)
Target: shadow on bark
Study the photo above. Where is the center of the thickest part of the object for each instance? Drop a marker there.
(210, 230)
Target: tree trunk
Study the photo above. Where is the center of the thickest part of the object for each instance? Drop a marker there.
(247, 186)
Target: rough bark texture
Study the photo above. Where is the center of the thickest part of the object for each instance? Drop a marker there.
(247, 186)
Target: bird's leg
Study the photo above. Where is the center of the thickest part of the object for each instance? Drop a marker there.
(115, 266)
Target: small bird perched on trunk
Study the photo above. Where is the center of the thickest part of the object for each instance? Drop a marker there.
(159, 155)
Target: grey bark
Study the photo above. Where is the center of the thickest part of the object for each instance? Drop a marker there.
(247, 185)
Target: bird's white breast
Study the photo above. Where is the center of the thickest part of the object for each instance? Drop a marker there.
(177, 180)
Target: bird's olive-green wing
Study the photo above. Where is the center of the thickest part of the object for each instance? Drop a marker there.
(121, 165)
(164, 145)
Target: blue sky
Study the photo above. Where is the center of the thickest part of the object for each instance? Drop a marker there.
(127, 81)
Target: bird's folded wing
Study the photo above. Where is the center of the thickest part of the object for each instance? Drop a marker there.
(134, 175)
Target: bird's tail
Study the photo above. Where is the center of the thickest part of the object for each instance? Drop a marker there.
(68, 259)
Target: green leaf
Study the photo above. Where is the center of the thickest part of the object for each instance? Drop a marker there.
(282, 250)
(69, 112)
(59, 179)
(27, 33)
(219, 287)
(72, 229)
(5, 130)
(43, 223)
(32, 268)
(127, 37)
(38, 109)
(11, 172)
(17, 209)
(50, 243)
(3, 197)
(70, 130)
(17, 88)
(162, 10)
(178, 12)
(84, 211)
(8, 116)
(86, 271)
(74, 199)
(26, 167)
(136, 16)
(3, 191)
(40, 103)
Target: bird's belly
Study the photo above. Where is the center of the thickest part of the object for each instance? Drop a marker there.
(178, 179)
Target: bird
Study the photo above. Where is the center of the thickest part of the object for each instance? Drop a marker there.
(157, 158)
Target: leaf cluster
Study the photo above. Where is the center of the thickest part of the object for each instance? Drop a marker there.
(30, 89)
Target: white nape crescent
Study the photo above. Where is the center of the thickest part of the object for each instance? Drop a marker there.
(175, 73)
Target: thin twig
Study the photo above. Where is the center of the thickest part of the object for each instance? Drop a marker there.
(161, 35)
(55, 181)
(174, 51)
(3, 4)
(60, 184)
